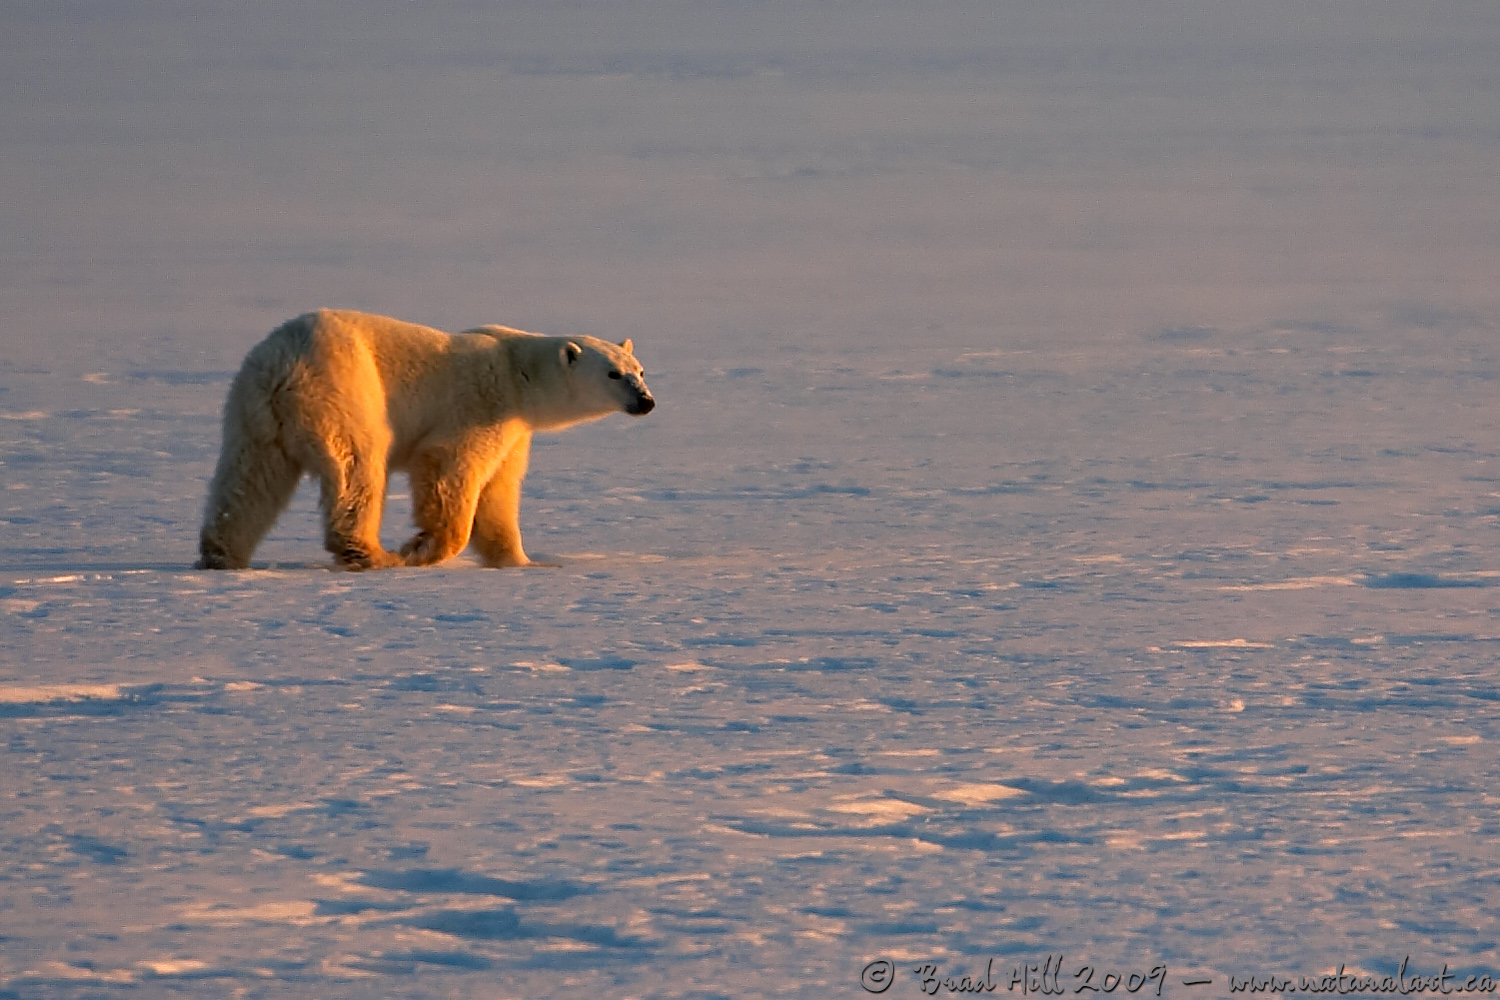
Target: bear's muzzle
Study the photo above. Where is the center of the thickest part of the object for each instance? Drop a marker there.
(644, 402)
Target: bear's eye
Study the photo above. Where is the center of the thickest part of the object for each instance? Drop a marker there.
(614, 375)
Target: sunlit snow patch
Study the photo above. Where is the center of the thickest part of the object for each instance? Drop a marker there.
(977, 794)
(543, 781)
(61, 972)
(892, 810)
(296, 912)
(280, 810)
(173, 967)
(45, 694)
(1296, 583)
(1221, 644)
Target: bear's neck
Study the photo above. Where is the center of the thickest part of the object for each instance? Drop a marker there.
(537, 394)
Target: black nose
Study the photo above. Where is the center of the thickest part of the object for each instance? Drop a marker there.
(643, 406)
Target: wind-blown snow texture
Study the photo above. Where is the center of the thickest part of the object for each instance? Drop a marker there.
(1069, 524)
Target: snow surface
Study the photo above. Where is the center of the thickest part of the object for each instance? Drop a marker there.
(1068, 525)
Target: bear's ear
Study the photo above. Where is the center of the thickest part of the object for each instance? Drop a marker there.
(571, 352)
(628, 345)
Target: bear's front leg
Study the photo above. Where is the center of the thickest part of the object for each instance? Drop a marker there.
(427, 548)
(497, 518)
(444, 494)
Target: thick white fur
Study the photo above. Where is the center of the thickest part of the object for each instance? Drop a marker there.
(350, 397)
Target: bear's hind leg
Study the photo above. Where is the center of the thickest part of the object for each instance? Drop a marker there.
(353, 482)
(250, 489)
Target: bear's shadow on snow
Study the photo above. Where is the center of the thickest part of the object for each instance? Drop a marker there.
(83, 568)
(183, 566)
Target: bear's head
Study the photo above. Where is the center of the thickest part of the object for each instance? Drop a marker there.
(562, 381)
(603, 377)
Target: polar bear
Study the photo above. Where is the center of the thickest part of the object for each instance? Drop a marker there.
(350, 397)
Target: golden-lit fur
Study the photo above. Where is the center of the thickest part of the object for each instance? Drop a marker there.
(350, 398)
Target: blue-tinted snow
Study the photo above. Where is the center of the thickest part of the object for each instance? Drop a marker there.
(1069, 524)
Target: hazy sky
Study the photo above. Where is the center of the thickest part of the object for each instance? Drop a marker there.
(179, 177)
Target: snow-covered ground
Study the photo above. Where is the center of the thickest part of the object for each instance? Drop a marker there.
(1069, 524)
